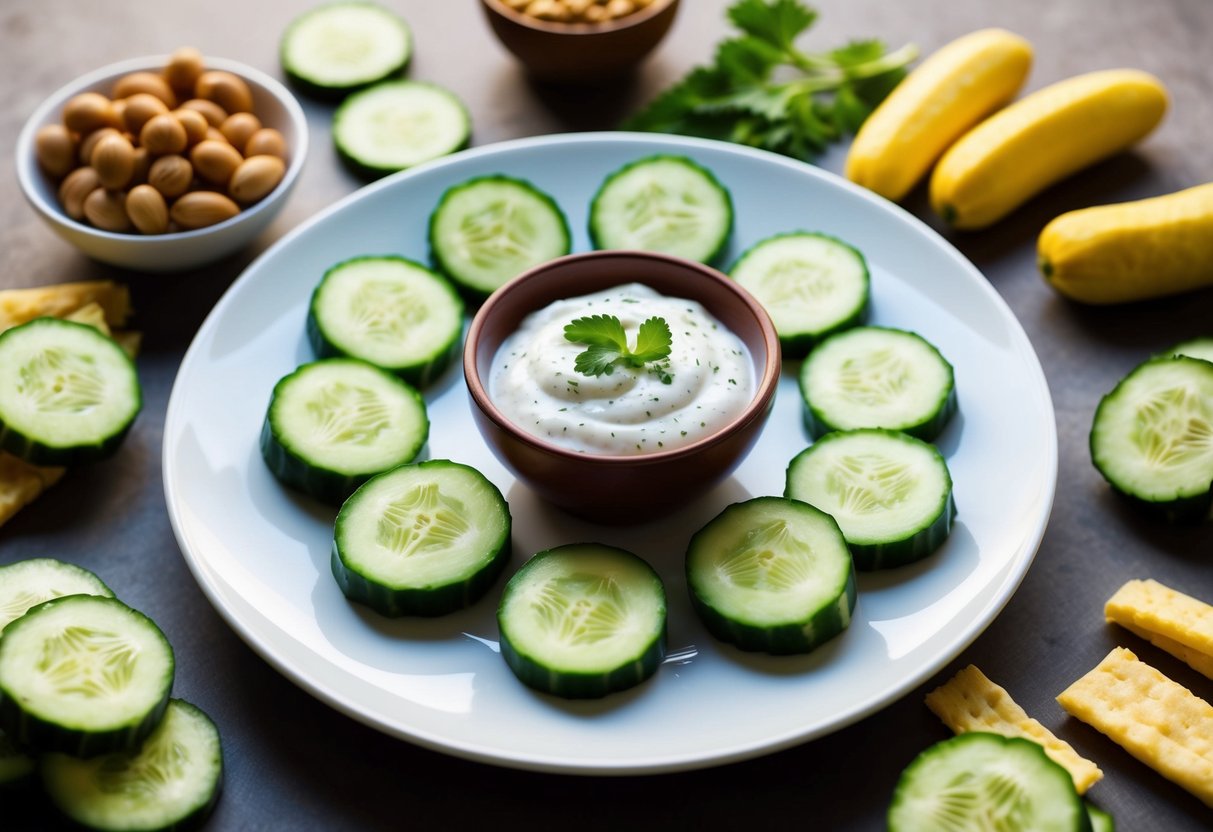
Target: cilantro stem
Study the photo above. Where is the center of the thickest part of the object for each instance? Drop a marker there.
(829, 75)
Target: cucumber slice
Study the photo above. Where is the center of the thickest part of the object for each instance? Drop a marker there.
(15, 765)
(421, 539)
(1201, 348)
(583, 620)
(169, 782)
(68, 394)
(1152, 437)
(333, 424)
(398, 124)
(812, 285)
(490, 229)
(83, 675)
(877, 377)
(663, 203)
(338, 48)
(27, 583)
(890, 493)
(1101, 821)
(390, 312)
(772, 575)
(979, 780)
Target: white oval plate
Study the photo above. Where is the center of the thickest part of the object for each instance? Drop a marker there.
(261, 553)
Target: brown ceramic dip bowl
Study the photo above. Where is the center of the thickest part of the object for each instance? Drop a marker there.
(618, 489)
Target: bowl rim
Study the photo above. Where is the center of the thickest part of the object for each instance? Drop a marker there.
(558, 28)
(764, 387)
(28, 169)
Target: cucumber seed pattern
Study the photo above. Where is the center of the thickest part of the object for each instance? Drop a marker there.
(800, 283)
(15, 606)
(344, 414)
(869, 483)
(1174, 429)
(158, 765)
(498, 236)
(60, 381)
(990, 802)
(89, 663)
(659, 219)
(423, 520)
(875, 378)
(769, 558)
(581, 609)
(384, 310)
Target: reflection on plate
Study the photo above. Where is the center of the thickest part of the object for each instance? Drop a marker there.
(261, 553)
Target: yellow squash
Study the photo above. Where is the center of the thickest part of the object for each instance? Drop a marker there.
(1133, 250)
(1057, 131)
(954, 89)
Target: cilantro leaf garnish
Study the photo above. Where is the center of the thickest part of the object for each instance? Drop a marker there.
(818, 97)
(607, 345)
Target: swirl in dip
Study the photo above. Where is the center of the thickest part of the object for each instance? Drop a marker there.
(630, 411)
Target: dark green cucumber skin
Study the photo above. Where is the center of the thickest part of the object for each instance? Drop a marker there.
(928, 430)
(28, 730)
(327, 486)
(472, 294)
(196, 817)
(722, 245)
(420, 374)
(1181, 510)
(900, 815)
(330, 92)
(39, 453)
(422, 601)
(799, 344)
(889, 554)
(369, 172)
(783, 639)
(570, 685)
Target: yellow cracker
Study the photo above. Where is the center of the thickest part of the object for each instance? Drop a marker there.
(94, 316)
(1195, 659)
(18, 306)
(1158, 721)
(21, 483)
(971, 702)
(1151, 606)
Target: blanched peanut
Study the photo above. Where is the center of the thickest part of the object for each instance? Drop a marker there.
(87, 112)
(212, 112)
(266, 142)
(171, 175)
(239, 128)
(215, 161)
(139, 110)
(114, 160)
(227, 90)
(55, 150)
(198, 209)
(147, 210)
(194, 123)
(184, 67)
(76, 186)
(620, 8)
(552, 10)
(255, 177)
(107, 210)
(145, 82)
(163, 134)
(143, 163)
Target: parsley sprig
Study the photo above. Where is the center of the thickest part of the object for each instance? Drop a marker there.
(762, 91)
(607, 345)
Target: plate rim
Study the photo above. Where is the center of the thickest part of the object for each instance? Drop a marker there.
(314, 684)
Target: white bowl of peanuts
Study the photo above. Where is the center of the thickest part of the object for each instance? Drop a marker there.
(163, 163)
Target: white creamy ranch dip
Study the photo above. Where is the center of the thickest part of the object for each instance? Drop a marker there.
(630, 411)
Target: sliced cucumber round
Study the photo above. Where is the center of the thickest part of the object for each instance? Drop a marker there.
(583, 620)
(15, 765)
(772, 575)
(335, 49)
(333, 424)
(877, 377)
(398, 124)
(890, 493)
(390, 312)
(170, 782)
(68, 394)
(663, 203)
(27, 583)
(979, 780)
(1152, 437)
(811, 285)
(83, 675)
(490, 229)
(1201, 348)
(421, 539)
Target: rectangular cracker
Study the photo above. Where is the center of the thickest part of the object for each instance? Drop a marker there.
(1195, 659)
(21, 483)
(971, 702)
(1150, 606)
(1158, 721)
(17, 306)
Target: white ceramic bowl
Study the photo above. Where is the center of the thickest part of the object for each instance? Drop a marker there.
(272, 103)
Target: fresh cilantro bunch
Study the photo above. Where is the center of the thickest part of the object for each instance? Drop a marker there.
(607, 345)
(764, 92)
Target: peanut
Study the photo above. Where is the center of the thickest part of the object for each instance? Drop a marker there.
(198, 209)
(266, 142)
(171, 175)
(89, 111)
(107, 210)
(184, 67)
(114, 160)
(215, 161)
(75, 187)
(163, 134)
(145, 82)
(256, 177)
(225, 89)
(147, 210)
(55, 149)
